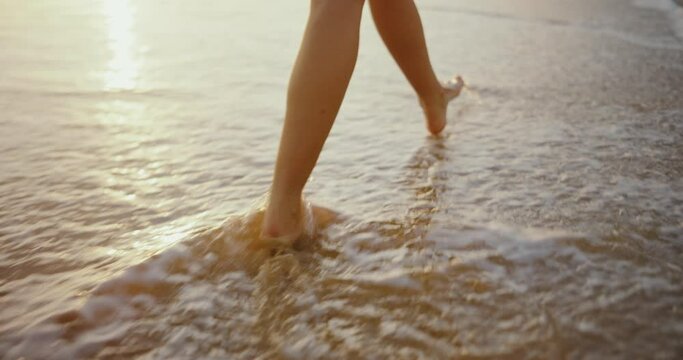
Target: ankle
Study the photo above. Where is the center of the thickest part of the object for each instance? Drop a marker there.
(434, 99)
(279, 221)
(283, 207)
(285, 201)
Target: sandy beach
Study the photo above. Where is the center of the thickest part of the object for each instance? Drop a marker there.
(137, 139)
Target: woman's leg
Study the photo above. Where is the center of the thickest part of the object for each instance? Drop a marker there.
(400, 27)
(317, 86)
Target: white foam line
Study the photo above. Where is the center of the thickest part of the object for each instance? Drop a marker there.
(397, 278)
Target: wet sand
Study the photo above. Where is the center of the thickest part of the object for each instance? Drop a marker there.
(547, 222)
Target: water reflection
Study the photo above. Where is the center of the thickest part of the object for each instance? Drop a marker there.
(123, 68)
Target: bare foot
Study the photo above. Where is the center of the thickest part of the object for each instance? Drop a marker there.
(435, 109)
(283, 221)
(283, 225)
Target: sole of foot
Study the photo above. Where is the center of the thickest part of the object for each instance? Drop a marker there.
(435, 112)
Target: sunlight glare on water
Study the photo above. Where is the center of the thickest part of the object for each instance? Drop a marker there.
(123, 68)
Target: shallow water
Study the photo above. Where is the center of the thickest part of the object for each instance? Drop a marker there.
(547, 222)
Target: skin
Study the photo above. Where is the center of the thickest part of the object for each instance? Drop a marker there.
(326, 60)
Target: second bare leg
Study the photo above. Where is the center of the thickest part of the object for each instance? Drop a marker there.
(400, 27)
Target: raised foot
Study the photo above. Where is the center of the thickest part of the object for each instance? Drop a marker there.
(435, 109)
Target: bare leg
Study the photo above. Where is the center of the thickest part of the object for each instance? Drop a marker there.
(399, 25)
(317, 87)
